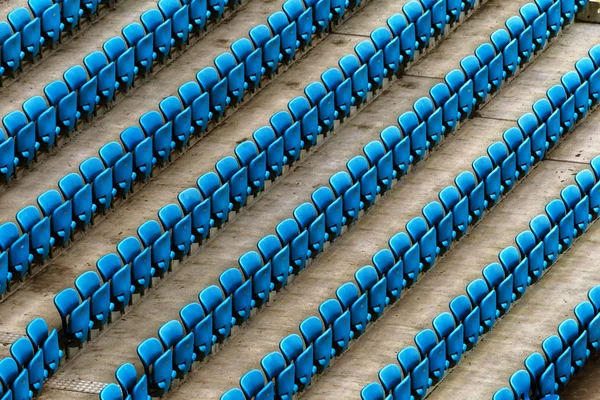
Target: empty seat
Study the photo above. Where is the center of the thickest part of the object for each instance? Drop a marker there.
(339, 321)
(252, 267)
(132, 253)
(17, 246)
(172, 336)
(201, 325)
(180, 225)
(87, 98)
(307, 218)
(111, 270)
(75, 317)
(212, 301)
(30, 360)
(271, 56)
(192, 96)
(179, 15)
(293, 350)
(350, 299)
(41, 338)
(210, 186)
(31, 38)
(228, 67)
(321, 339)
(217, 87)
(89, 287)
(352, 68)
(124, 59)
(15, 381)
(373, 59)
(326, 203)
(152, 236)
(143, 45)
(158, 365)
(248, 155)
(101, 179)
(181, 118)
(267, 142)
(307, 115)
(244, 51)
(275, 369)
(50, 15)
(121, 163)
(411, 363)
(233, 285)
(97, 65)
(154, 22)
(11, 55)
(485, 299)
(318, 96)
(38, 228)
(290, 235)
(429, 347)
(461, 86)
(334, 81)
(452, 333)
(253, 385)
(26, 146)
(279, 256)
(280, 25)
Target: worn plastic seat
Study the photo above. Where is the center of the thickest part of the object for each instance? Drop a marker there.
(17, 246)
(181, 119)
(409, 253)
(469, 187)
(11, 55)
(154, 22)
(432, 116)
(233, 285)
(453, 202)
(212, 301)
(586, 181)
(50, 15)
(38, 111)
(373, 59)
(151, 236)
(272, 251)
(580, 205)
(87, 99)
(75, 317)
(124, 59)
(290, 235)
(199, 14)
(417, 132)
(503, 282)
(543, 231)
(253, 385)
(229, 170)
(211, 187)
(390, 46)
(560, 99)
(426, 237)
(485, 299)
(253, 268)
(532, 129)
(5, 276)
(436, 216)
(38, 228)
(521, 147)
(335, 82)
(179, 15)
(293, 350)
(411, 363)
(285, 127)
(267, 142)
(551, 119)
(351, 300)
(98, 65)
(343, 186)
(461, 86)
(180, 226)
(538, 21)
(217, 87)
(275, 369)
(478, 74)
(30, 28)
(158, 365)
(121, 163)
(502, 157)
(326, 203)
(271, 56)
(172, 336)
(338, 321)
(131, 251)
(580, 90)
(378, 157)
(361, 172)
(448, 102)
(542, 378)
(588, 320)
(75, 189)
(308, 116)
(376, 289)
(553, 14)
(142, 149)
(41, 338)
(101, 179)
(569, 332)
(359, 74)
(200, 325)
(62, 224)
(15, 381)
(452, 333)
(295, 11)
(244, 51)
(490, 176)
(421, 19)
(308, 219)
(26, 146)
(111, 270)
(320, 339)
(228, 67)
(469, 316)
(192, 96)
(143, 45)
(429, 347)
(565, 220)
(89, 287)
(561, 356)
(30, 360)
(318, 96)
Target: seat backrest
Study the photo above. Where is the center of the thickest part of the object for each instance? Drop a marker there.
(498, 152)
(477, 290)
(246, 152)
(594, 297)
(535, 364)
(169, 7)
(315, 91)
(520, 381)
(22, 351)
(584, 312)
(281, 121)
(278, 21)
(399, 244)
(149, 351)
(131, 137)
(433, 213)
(210, 298)
(110, 153)
(528, 123)
(449, 196)
(91, 168)
(191, 315)
(291, 347)
(347, 294)
(540, 226)
(18, 18)
(94, 62)
(390, 136)
(413, 10)
(8, 371)
(425, 341)
(509, 258)
(231, 280)
(129, 248)
(440, 93)
(526, 241)
(340, 182)
(374, 151)
(207, 78)
(127, 377)
(268, 246)
(188, 92)
(250, 262)
(311, 328)
(500, 39)
(585, 180)
(571, 196)
(557, 95)
(383, 260)
(37, 331)
(483, 167)
(357, 166)
(260, 35)
(416, 228)
(263, 137)
(408, 358)
(34, 107)
(170, 215)
(108, 265)
(390, 376)
(287, 230)
(189, 199)
(114, 47)
(170, 107)
(485, 53)
(5, 31)
(132, 33)
(9, 233)
(332, 78)
(397, 23)
(322, 198)
(151, 19)
(298, 107)
(366, 277)
(170, 333)
(381, 37)
(27, 217)
(242, 48)
(556, 210)
(14, 122)
(149, 232)
(305, 214)
(529, 12)
(208, 184)
(87, 284)
(272, 364)
(225, 62)
(349, 64)
(330, 310)
(465, 182)
(493, 274)
(75, 77)
(66, 301)
(571, 81)
(252, 382)
(443, 324)
(568, 330)
(470, 65)
(365, 50)
(49, 201)
(70, 184)
(151, 122)
(408, 121)
(460, 307)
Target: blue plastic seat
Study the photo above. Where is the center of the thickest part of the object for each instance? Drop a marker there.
(254, 387)
(579, 203)
(47, 341)
(448, 102)
(280, 25)
(432, 116)
(30, 360)
(422, 21)
(143, 45)
(172, 336)
(273, 252)
(87, 99)
(295, 11)
(459, 206)
(192, 96)
(142, 149)
(233, 394)
(436, 216)
(469, 188)
(543, 231)
(390, 46)
(400, 147)
(580, 90)
(361, 172)
(469, 316)
(158, 366)
(326, 203)
(71, 14)
(285, 127)
(373, 59)
(409, 253)
(460, 85)
(588, 320)
(390, 377)
(26, 146)
(417, 132)
(180, 226)
(560, 99)
(308, 116)
(199, 14)
(38, 111)
(569, 332)
(321, 15)
(154, 23)
(31, 37)
(359, 74)
(75, 317)
(351, 300)
(378, 157)
(111, 270)
(89, 287)
(50, 15)
(131, 251)
(38, 229)
(275, 369)
(438, 15)
(538, 21)
(17, 246)
(531, 128)
(217, 87)
(121, 163)
(534, 251)
(181, 118)
(318, 96)
(586, 181)
(14, 380)
(294, 352)
(520, 383)
(98, 65)
(228, 67)
(252, 267)
(429, 347)
(561, 356)
(101, 179)
(335, 82)
(244, 51)
(490, 176)
(485, 299)
(550, 119)
(233, 285)
(478, 74)
(197, 322)
(124, 58)
(338, 321)
(553, 14)
(343, 186)
(290, 235)
(503, 157)
(320, 339)
(521, 147)
(267, 142)
(501, 281)
(5, 276)
(10, 53)
(229, 171)
(75, 189)
(452, 334)
(151, 236)
(179, 15)
(62, 224)
(308, 219)
(542, 378)
(565, 220)
(586, 67)
(376, 289)
(271, 56)
(211, 187)
(212, 301)
(426, 237)
(568, 10)
(411, 363)
(126, 376)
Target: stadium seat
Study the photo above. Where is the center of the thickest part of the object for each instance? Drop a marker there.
(217, 87)
(485, 299)
(272, 252)
(308, 219)
(326, 203)
(228, 67)
(233, 286)
(142, 43)
(89, 287)
(97, 65)
(111, 270)
(41, 338)
(171, 334)
(154, 22)
(308, 117)
(318, 96)
(252, 267)
(411, 363)
(284, 126)
(275, 369)
(158, 365)
(30, 360)
(212, 301)
(339, 321)
(75, 317)
(350, 299)
(66, 104)
(293, 350)
(179, 15)
(116, 50)
(271, 56)
(101, 179)
(121, 163)
(14, 380)
(352, 69)
(50, 15)
(561, 356)
(210, 186)
(195, 321)
(24, 134)
(17, 246)
(253, 385)
(87, 98)
(30, 28)
(244, 51)
(38, 228)
(334, 81)
(267, 142)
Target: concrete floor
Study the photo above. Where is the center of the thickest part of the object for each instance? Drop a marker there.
(262, 334)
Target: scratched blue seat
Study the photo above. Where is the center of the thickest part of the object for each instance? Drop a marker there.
(580, 204)
(538, 22)
(152, 236)
(158, 366)
(488, 56)
(417, 132)
(111, 270)
(351, 300)
(524, 36)
(532, 129)
(271, 46)
(322, 14)
(448, 102)
(569, 332)
(121, 163)
(502, 281)
(453, 202)
(534, 251)
(335, 82)
(326, 203)
(432, 116)
(509, 48)
(490, 176)
(37, 110)
(180, 226)
(276, 370)
(139, 258)
(411, 363)
(422, 20)
(38, 228)
(41, 338)
(550, 119)
(382, 160)
(294, 352)
(98, 65)
(191, 95)
(308, 219)
(405, 31)
(17, 246)
(338, 321)
(143, 45)
(212, 301)
(117, 51)
(568, 10)
(359, 74)
(61, 216)
(460, 85)
(318, 96)
(253, 268)
(542, 378)
(30, 27)
(521, 147)
(181, 118)
(5, 276)
(211, 187)
(393, 60)
(289, 234)
(295, 11)
(75, 317)
(469, 317)
(233, 285)
(30, 360)
(438, 15)
(126, 376)
(469, 187)
(71, 14)
(308, 116)
(93, 172)
(544, 232)
(437, 217)
(588, 320)
(376, 290)
(561, 356)
(87, 99)
(564, 218)
(26, 146)
(560, 100)
(197, 322)
(407, 252)
(350, 192)
(273, 252)
(285, 127)
(267, 142)
(581, 92)
(394, 141)
(249, 156)
(210, 82)
(586, 181)
(429, 347)
(254, 387)
(361, 172)
(244, 52)
(154, 23)
(485, 298)
(391, 380)
(50, 15)
(420, 232)
(280, 25)
(589, 74)
(10, 53)
(79, 193)
(199, 14)
(553, 15)
(15, 381)
(89, 287)
(66, 104)
(142, 149)
(373, 59)
(320, 339)
(502, 157)
(230, 171)
(172, 336)
(452, 333)
(228, 67)
(511, 262)
(179, 15)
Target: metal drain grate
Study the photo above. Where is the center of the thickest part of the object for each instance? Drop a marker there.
(73, 385)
